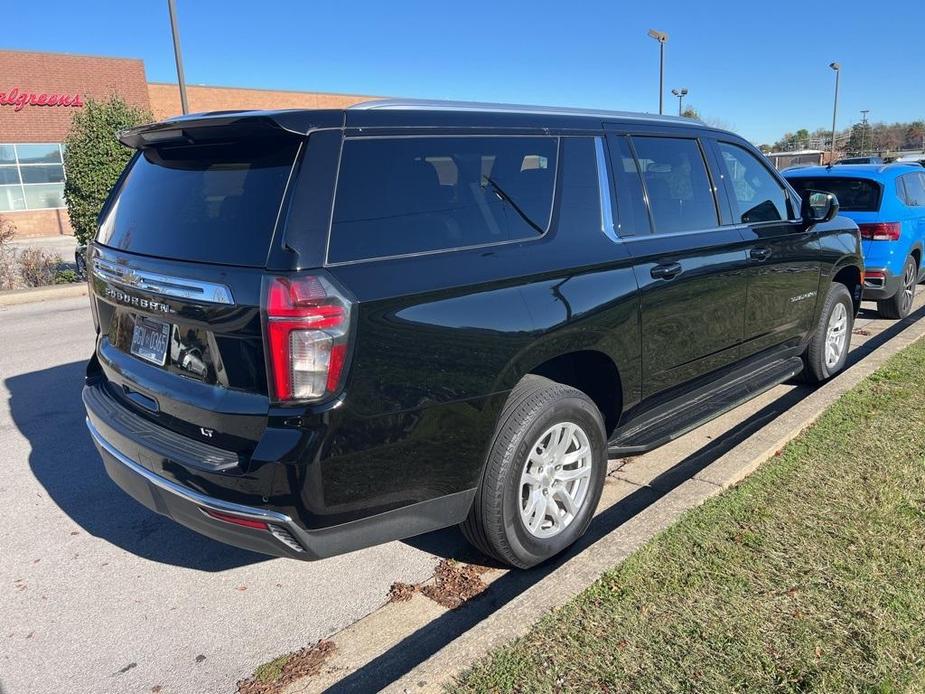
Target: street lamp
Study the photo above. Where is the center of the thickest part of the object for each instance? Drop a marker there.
(837, 68)
(680, 93)
(864, 112)
(662, 39)
(181, 80)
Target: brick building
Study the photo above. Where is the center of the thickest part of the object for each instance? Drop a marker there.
(40, 92)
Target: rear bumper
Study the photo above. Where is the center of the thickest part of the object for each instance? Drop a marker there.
(279, 536)
(877, 288)
(268, 531)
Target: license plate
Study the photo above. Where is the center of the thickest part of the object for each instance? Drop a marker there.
(149, 340)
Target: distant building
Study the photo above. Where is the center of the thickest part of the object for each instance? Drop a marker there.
(802, 157)
(39, 94)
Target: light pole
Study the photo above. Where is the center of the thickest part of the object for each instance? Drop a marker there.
(680, 93)
(662, 39)
(864, 113)
(837, 68)
(181, 80)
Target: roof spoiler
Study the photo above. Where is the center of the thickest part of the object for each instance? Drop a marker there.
(200, 127)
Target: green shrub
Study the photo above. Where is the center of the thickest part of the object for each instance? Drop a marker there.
(66, 277)
(94, 158)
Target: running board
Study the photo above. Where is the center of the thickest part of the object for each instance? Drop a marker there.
(668, 423)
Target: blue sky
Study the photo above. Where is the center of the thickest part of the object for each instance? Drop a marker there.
(758, 67)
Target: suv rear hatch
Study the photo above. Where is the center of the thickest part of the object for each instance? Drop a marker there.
(178, 272)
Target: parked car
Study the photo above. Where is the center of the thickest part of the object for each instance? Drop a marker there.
(918, 158)
(859, 160)
(888, 204)
(322, 330)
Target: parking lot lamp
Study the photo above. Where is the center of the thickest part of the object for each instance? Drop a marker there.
(837, 68)
(680, 93)
(181, 80)
(662, 39)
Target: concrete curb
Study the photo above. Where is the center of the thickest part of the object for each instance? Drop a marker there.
(515, 618)
(14, 297)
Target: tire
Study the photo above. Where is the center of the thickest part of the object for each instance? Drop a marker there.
(538, 414)
(900, 304)
(820, 363)
(80, 264)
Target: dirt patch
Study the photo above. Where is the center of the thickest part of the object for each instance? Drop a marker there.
(271, 677)
(453, 584)
(402, 592)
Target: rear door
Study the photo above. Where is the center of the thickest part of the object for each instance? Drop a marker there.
(690, 270)
(783, 258)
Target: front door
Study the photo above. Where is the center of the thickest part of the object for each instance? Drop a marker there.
(783, 257)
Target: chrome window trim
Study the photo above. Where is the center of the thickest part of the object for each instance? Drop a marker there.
(603, 185)
(689, 232)
(164, 285)
(416, 254)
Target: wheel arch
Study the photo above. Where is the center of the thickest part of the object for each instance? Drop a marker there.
(850, 276)
(591, 371)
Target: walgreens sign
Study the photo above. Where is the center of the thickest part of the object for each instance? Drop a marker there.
(19, 99)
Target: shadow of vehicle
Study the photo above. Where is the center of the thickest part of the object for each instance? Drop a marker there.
(46, 408)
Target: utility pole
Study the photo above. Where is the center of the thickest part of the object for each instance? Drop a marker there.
(837, 68)
(177, 53)
(662, 39)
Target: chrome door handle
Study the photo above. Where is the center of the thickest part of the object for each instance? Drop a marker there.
(665, 272)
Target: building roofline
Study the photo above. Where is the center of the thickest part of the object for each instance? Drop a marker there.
(72, 55)
(262, 89)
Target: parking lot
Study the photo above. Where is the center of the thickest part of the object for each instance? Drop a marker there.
(101, 595)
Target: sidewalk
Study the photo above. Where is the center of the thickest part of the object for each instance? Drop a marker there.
(62, 245)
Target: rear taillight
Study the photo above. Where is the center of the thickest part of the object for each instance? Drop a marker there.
(880, 231)
(307, 326)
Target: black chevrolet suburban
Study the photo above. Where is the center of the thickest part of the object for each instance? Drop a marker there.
(318, 330)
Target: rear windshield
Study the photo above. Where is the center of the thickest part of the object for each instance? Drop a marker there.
(397, 196)
(854, 194)
(214, 203)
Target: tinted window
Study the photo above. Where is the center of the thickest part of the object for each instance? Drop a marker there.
(409, 195)
(680, 195)
(914, 185)
(212, 202)
(633, 217)
(854, 194)
(756, 194)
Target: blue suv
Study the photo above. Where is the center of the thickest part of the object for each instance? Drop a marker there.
(888, 204)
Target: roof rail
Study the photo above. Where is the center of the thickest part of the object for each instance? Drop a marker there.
(441, 105)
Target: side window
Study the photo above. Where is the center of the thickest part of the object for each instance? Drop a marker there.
(680, 195)
(756, 194)
(914, 189)
(397, 196)
(631, 205)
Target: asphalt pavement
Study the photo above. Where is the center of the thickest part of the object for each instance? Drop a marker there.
(98, 594)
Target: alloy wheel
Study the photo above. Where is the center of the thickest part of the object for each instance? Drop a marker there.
(836, 335)
(908, 288)
(555, 480)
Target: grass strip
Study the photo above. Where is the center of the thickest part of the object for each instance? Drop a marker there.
(810, 575)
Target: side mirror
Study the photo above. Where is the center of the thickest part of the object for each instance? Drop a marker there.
(819, 207)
